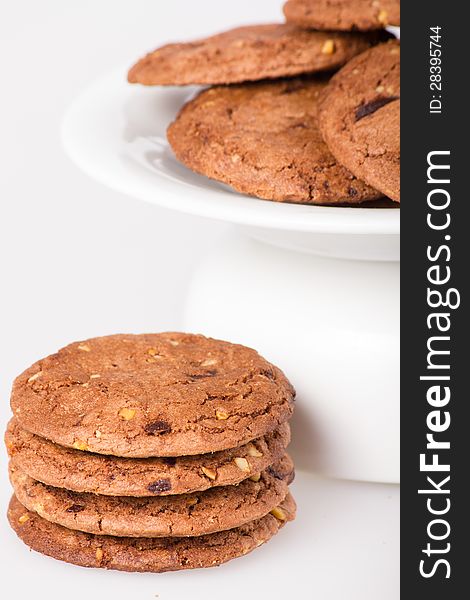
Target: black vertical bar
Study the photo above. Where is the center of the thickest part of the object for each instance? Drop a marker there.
(426, 245)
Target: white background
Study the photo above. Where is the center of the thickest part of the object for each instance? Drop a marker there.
(77, 260)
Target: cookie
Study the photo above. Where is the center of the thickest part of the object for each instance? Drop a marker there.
(114, 476)
(195, 514)
(263, 140)
(249, 54)
(169, 394)
(360, 117)
(145, 554)
(343, 15)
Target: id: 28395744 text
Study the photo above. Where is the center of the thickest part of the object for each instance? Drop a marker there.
(435, 70)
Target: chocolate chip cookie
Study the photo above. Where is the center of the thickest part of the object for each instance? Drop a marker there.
(145, 554)
(169, 394)
(183, 515)
(360, 117)
(343, 15)
(263, 140)
(114, 476)
(249, 54)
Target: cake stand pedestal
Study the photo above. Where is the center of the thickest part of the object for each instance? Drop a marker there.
(333, 326)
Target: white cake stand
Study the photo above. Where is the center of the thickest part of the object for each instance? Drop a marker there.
(315, 290)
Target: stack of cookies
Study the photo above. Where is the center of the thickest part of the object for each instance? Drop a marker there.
(150, 452)
(274, 124)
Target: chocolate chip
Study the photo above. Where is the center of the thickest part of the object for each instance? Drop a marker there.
(75, 508)
(369, 108)
(157, 427)
(169, 460)
(282, 475)
(272, 471)
(290, 477)
(159, 486)
(352, 192)
(210, 373)
(293, 86)
(268, 374)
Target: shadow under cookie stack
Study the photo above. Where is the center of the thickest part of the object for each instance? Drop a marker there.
(150, 453)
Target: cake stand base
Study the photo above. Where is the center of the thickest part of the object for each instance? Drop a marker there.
(333, 326)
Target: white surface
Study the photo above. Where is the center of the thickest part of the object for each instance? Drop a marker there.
(343, 546)
(334, 326)
(115, 132)
(77, 260)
